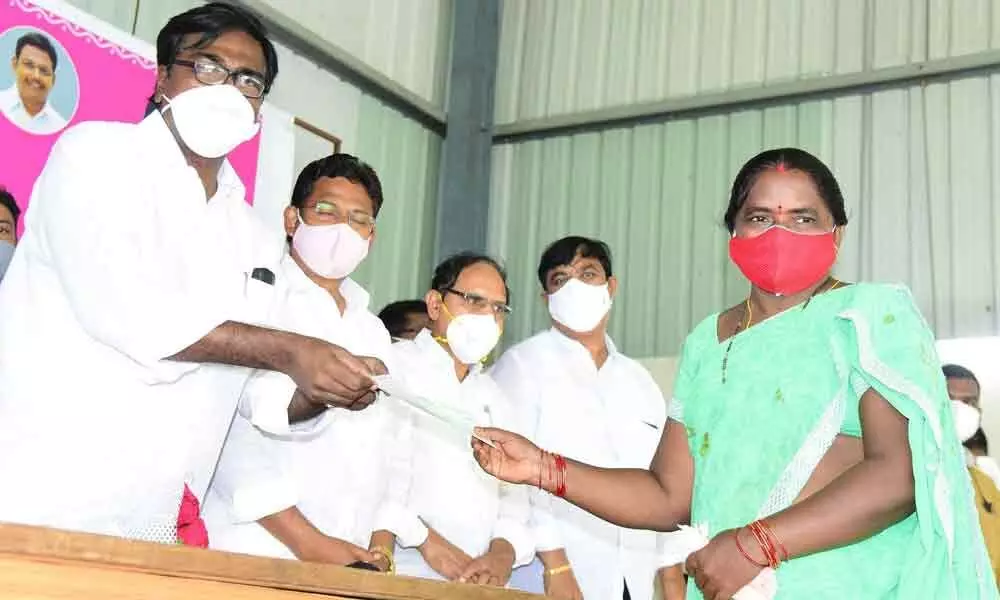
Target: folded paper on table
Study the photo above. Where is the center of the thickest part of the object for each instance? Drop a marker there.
(688, 540)
(453, 417)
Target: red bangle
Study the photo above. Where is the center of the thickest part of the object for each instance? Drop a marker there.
(768, 543)
(762, 543)
(774, 539)
(560, 475)
(743, 551)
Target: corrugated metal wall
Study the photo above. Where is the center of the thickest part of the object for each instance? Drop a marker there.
(405, 154)
(561, 56)
(917, 164)
(406, 40)
(407, 157)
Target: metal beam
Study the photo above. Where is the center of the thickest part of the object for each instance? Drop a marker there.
(332, 57)
(757, 97)
(464, 177)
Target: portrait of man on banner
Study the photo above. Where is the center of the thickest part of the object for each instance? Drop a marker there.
(39, 93)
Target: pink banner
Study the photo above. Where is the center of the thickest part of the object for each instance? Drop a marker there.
(64, 74)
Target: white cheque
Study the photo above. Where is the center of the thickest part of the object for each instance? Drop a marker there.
(453, 417)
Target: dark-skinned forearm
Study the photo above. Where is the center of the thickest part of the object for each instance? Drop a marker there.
(633, 498)
(243, 345)
(291, 528)
(861, 502)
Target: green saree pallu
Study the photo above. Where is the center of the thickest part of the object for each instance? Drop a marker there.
(759, 425)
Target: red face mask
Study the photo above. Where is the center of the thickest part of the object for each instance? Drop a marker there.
(783, 262)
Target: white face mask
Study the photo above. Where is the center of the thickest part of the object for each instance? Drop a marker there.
(966, 419)
(212, 119)
(472, 337)
(580, 306)
(330, 251)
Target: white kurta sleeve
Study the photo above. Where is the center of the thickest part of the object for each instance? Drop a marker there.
(252, 476)
(119, 270)
(516, 383)
(395, 513)
(514, 509)
(265, 402)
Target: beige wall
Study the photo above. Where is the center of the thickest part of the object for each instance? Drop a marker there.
(663, 370)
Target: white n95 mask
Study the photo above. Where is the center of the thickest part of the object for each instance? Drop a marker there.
(330, 251)
(580, 306)
(472, 337)
(212, 119)
(966, 419)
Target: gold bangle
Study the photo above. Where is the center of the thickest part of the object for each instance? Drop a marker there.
(558, 570)
(387, 554)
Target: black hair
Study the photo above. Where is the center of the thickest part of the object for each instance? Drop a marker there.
(790, 159)
(447, 273)
(7, 201)
(563, 252)
(978, 442)
(395, 316)
(349, 167)
(211, 21)
(958, 372)
(36, 40)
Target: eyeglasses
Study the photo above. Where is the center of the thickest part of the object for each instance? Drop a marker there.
(209, 72)
(328, 213)
(481, 303)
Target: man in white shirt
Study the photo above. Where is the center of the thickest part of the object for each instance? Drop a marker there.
(455, 523)
(129, 305)
(576, 394)
(313, 495)
(26, 103)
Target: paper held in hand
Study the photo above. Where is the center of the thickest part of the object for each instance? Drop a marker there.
(454, 418)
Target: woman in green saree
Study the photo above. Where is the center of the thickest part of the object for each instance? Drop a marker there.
(810, 424)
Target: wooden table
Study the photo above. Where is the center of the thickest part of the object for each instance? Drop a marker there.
(50, 564)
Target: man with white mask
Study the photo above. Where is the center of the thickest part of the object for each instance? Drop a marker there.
(127, 338)
(964, 390)
(313, 496)
(455, 523)
(575, 393)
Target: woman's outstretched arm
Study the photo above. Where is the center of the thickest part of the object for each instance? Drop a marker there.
(657, 498)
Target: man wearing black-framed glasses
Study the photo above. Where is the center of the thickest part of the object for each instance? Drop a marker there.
(132, 338)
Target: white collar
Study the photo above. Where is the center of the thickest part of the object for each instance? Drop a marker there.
(161, 142)
(10, 100)
(568, 344)
(356, 297)
(426, 343)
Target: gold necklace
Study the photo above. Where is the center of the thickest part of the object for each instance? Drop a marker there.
(747, 321)
(740, 325)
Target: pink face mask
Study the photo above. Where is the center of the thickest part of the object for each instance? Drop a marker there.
(783, 262)
(330, 251)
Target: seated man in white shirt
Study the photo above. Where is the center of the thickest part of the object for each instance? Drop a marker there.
(314, 496)
(575, 393)
(26, 103)
(456, 523)
(131, 302)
